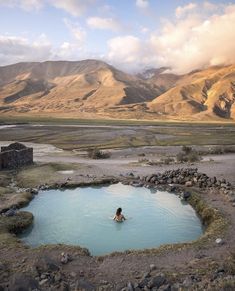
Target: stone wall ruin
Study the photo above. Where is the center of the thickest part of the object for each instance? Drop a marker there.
(15, 155)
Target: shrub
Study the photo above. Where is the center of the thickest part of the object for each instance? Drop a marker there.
(97, 154)
(181, 157)
(193, 157)
(187, 150)
(167, 160)
(188, 154)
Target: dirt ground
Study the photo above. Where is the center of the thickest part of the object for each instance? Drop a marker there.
(186, 267)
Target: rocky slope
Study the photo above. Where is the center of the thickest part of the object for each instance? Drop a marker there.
(93, 88)
(205, 94)
(69, 87)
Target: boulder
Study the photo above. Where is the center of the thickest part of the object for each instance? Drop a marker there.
(157, 281)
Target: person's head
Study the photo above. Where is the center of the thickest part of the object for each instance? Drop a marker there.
(119, 211)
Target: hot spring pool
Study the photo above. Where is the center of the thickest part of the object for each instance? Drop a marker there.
(83, 217)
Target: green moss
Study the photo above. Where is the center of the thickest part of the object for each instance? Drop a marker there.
(16, 223)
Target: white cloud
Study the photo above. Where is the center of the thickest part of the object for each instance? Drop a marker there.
(127, 52)
(18, 49)
(193, 42)
(210, 6)
(103, 23)
(76, 30)
(23, 4)
(144, 29)
(188, 43)
(74, 7)
(182, 10)
(142, 3)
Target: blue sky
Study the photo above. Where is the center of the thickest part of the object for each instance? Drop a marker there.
(130, 34)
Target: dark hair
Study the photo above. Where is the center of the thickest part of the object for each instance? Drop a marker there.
(119, 210)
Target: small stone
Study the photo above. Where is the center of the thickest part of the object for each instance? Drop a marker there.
(130, 287)
(73, 274)
(189, 184)
(10, 212)
(64, 286)
(2, 266)
(81, 273)
(186, 195)
(152, 267)
(84, 285)
(146, 275)
(34, 191)
(104, 282)
(219, 241)
(187, 282)
(58, 277)
(42, 282)
(143, 283)
(65, 258)
(43, 276)
(166, 287)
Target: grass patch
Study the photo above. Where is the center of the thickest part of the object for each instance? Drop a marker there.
(97, 154)
(42, 174)
(188, 154)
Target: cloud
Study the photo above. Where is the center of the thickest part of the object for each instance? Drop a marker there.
(126, 52)
(18, 49)
(193, 42)
(142, 3)
(182, 10)
(184, 44)
(103, 23)
(76, 30)
(23, 4)
(74, 7)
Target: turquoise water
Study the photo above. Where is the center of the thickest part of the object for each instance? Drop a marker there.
(83, 217)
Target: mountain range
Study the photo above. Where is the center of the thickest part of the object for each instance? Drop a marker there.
(95, 89)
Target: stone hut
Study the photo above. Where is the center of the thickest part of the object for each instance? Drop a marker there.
(15, 155)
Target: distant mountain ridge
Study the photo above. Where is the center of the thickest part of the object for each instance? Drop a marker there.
(92, 88)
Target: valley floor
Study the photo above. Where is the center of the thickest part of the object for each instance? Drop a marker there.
(201, 266)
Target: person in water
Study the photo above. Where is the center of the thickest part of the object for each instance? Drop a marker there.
(119, 217)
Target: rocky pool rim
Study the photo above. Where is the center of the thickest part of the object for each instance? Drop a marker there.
(213, 220)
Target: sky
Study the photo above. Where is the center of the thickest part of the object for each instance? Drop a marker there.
(130, 34)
